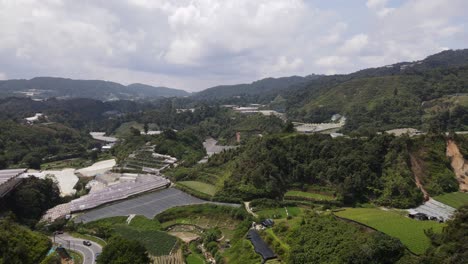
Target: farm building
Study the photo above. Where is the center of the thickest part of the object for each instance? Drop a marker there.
(433, 210)
(9, 179)
(418, 216)
(260, 246)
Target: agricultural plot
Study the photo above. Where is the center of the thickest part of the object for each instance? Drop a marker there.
(455, 199)
(144, 159)
(409, 231)
(156, 242)
(308, 196)
(196, 218)
(176, 258)
(225, 224)
(280, 212)
(193, 259)
(199, 187)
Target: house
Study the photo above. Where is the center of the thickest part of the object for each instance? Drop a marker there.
(268, 223)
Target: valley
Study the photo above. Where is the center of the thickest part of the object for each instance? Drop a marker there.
(369, 166)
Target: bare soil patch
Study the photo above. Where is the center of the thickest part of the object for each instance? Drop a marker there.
(459, 164)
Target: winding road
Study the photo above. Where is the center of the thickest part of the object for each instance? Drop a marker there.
(76, 244)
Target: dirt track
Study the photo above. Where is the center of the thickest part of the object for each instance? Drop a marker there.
(459, 164)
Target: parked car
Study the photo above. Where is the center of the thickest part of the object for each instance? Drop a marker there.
(86, 243)
(59, 232)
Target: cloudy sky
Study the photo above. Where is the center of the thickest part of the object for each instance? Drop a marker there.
(195, 44)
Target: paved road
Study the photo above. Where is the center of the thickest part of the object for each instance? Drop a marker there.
(76, 244)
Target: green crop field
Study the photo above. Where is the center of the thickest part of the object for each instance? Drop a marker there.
(455, 199)
(156, 242)
(194, 259)
(308, 196)
(199, 186)
(280, 212)
(409, 231)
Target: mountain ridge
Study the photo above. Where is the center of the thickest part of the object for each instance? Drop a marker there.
(47, 87)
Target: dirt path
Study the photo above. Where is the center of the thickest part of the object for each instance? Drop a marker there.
(249, 210)
(418, 173)
(459, 164)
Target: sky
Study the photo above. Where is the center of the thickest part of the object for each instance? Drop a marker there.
(196, 44)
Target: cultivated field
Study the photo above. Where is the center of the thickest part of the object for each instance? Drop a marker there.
(280, 212)
(156, 242)
(202, 216)
(299, 195)
(193, 259)
(455, 199)
(409, 231)
(199, 187)
(175, 258)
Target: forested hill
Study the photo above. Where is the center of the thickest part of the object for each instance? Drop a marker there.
(431, 92)
(258, 90)
(46, 87)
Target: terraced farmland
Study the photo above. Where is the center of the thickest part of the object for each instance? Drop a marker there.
(156, 242)
(409, 231)
(455, 199)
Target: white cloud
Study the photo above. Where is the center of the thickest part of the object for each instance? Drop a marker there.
(354, 44)
(379, 7)
(194, 44)
(3, 76)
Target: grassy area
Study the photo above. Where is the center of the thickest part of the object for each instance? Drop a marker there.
(242, 252)
(124, 129)
(144, 230)
(194, 259)
(409, 231)
(308, 196)
(204, 216)
(455, 199)
(142, 223)
(280, 212)
(199, 186)
(156, 242)
(68, 163)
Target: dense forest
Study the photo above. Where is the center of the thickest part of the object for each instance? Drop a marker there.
(32, 145)
(361, 169)
(19, 245)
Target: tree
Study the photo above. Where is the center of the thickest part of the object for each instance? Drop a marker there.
(289, 128)
(33, 161)
(452, 245)
(134, 131)
(32, 198)
(122, 251)
(19, 245)
(146, 127)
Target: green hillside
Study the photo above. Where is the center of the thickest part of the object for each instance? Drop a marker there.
(423, 94)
